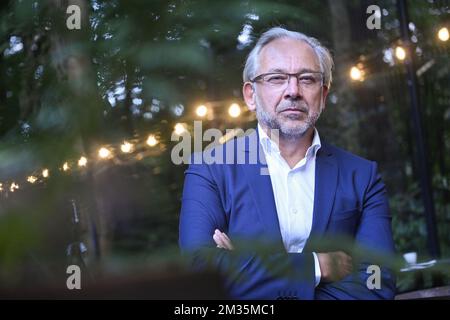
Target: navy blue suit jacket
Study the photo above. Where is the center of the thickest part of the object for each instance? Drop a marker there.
(350, 200)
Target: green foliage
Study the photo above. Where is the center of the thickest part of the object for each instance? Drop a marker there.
(408, 221)
(137, 68)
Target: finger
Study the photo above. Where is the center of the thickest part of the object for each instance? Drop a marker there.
(225, 236)
(220, 244)
(227, 241)
(222, 241)
(218, 241)
(345, 255)
(345, 258)
(349, 268)
(346, 263)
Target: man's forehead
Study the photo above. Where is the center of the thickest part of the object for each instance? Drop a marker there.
(280, 52)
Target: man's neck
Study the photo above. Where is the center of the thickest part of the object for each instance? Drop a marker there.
(293, 150)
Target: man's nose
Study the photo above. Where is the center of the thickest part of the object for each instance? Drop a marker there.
(293, 90)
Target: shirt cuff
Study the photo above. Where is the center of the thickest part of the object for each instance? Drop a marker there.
(317, 269)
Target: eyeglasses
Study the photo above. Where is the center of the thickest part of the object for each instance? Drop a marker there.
(279, 80)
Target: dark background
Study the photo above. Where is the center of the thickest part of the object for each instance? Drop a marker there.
(139, 67)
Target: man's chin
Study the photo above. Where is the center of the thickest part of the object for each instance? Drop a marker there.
(294, 132)
(293, 125)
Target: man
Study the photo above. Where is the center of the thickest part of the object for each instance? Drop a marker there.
(312, 190)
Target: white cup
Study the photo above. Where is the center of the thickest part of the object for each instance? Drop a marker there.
(410, 257)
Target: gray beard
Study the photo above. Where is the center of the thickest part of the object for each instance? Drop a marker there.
(287, 132)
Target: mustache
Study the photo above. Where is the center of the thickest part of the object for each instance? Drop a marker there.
(301, 106)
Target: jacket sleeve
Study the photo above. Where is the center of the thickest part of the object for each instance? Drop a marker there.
(374, 235)
(248, 275)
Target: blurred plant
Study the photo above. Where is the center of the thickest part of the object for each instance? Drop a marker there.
(138, 67)
(132, 69)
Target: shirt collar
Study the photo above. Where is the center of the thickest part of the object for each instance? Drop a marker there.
(269, 145)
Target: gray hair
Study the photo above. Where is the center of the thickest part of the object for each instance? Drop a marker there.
(323, 54)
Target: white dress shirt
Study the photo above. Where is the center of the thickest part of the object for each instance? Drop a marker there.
(293, 191)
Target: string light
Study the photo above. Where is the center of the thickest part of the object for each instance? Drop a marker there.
(82, 162)
(45, 173)
(151, 140)
(234, 110)
(14, 186)
(400, 53)
(179, 129)
(443, 34)
(357, 72)
(127, 147)
(201, 111)
(104, 153)
(31, 179)
(65, 166)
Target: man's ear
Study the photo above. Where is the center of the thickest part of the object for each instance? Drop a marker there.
(249, 95)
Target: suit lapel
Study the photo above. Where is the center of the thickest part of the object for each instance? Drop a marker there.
(326, 178)
(260, 185)
(261, 190)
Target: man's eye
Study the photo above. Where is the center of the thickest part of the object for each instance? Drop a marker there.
(307, 79)
(277, 78)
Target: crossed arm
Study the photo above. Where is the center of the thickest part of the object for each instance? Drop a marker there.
(202, 214)
(334, 266)
(252, 276)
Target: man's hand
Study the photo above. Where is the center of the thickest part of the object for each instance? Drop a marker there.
(334, 266)
(222, 240)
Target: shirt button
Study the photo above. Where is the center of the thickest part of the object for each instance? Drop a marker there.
(294, 211)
